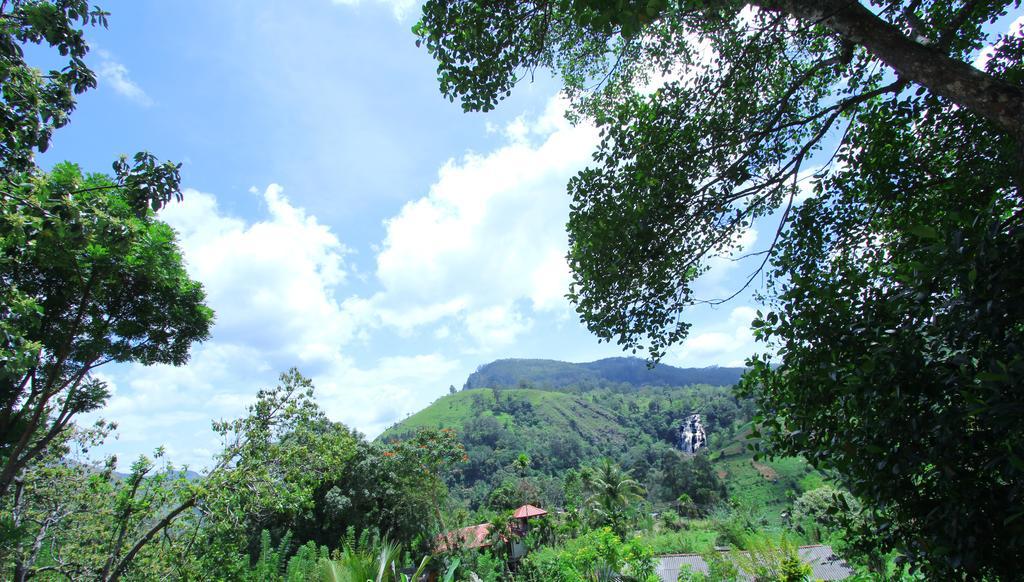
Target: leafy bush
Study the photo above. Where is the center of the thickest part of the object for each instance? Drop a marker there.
(770, 559)
(598, 554)
(361, 559)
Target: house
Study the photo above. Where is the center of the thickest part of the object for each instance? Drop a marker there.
(520, 519)
(474, 536)
(520, 526)
(479, 536)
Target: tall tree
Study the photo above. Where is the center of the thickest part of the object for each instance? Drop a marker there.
(89, 276)
(897, 315)
(612, 494)
(683, 168)
(894, 294)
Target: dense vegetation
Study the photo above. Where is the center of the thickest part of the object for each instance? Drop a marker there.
(892, 315)
(891, 320)
(521, 442)
(286, 473)
(612, 373)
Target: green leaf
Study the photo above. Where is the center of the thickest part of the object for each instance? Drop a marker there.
(923, 231)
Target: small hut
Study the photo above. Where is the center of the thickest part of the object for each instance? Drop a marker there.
(521, 526)
(521, 518)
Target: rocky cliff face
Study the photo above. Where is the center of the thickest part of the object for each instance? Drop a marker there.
(691, 435)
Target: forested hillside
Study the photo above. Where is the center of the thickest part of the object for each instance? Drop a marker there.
(614, 373)
(525, 444)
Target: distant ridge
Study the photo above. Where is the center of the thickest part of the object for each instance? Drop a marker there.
(606, 373)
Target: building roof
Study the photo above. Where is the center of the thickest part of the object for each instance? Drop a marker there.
(825, 565)
(528, 511)
(474, 536)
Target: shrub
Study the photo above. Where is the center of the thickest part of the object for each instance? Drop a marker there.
(598, 554)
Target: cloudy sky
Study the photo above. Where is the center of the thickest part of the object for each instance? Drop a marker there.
(343, 216)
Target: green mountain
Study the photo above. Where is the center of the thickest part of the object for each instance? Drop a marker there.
(608, 373)
(524, 444)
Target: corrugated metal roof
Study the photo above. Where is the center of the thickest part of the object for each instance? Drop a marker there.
(825, 565)
(670, 566)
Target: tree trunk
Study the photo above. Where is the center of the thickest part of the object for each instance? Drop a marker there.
(994, 99)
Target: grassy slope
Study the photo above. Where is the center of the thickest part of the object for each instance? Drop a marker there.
(765, 486)
(559, 411)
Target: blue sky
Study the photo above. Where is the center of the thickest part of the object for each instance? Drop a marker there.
(344, 217)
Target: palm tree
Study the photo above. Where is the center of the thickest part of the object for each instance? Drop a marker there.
(613, 494)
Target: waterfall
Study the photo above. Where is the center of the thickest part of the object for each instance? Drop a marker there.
(691, 435)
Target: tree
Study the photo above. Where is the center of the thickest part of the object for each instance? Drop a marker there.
(78, 519)
(821, 511)
(90, 276)
(522, 464)
(682, 171)
(894, 317)
(899, 332)
(596, 555)
(81, 520)
(34, 104)
(272, 465)
(47, 497)
(693, 476)
(612, 494)
(396, 489)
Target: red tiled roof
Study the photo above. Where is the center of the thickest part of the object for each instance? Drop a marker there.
(528, 511)
(474, 536)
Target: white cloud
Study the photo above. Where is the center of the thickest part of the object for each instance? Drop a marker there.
(116, 76)
(550, 280)
(490, 234)
(374, 397)
(497, 326)
(517, 130)
(273, 284)
(727, 343)
(166, 405)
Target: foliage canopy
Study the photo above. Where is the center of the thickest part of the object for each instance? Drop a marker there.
(90, 276)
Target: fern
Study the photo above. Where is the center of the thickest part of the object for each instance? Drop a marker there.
(349, 541)
(305, 564)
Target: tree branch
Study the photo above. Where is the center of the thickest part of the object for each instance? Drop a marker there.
(122, 566)
(992, 98)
